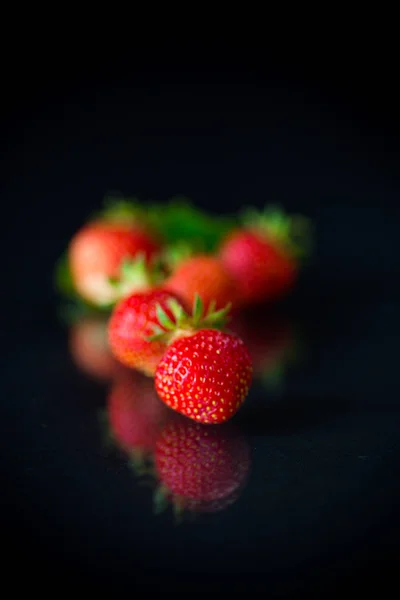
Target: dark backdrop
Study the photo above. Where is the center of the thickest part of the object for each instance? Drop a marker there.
(321, 507)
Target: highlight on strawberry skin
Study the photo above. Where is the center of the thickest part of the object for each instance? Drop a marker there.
(199, 469)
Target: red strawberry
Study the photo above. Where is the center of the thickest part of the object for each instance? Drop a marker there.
(201, 469)
(205, 374)
(97, 251)
(204, 275)
(89, 348)
(135, 413)
(132, 321)
(263, 256)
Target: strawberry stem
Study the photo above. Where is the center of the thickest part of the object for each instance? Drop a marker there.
(292, 232)
(135, 275)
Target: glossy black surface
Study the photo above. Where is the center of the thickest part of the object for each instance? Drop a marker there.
(320, 506)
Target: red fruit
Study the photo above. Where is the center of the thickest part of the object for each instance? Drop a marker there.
(262, 257)
(262, 270)
(203, 275)
(202, 468)
(205, 375)
(135, 413)
(96, 254)
(89, 348)
(132, 321)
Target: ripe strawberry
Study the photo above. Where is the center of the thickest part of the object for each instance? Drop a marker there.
(135, 413)
(205, 374)
(89, 348)
(204, 275)
(201, 469)
(132, 322)
(98, 250)
(263, 256)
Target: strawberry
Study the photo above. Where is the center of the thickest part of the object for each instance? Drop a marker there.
(205, 374)
(132, 322)
(204, 275)
(263, 256)
(97, 251)
(200, 469)
(135, 413)
(89, 348)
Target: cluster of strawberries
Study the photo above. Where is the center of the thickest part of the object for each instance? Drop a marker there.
(169, 277)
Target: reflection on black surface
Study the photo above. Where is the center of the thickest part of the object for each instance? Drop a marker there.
(192, 468)
(135, 416)
(200, 468)
(88, 346)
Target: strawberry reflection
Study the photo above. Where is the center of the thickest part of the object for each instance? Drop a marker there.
(135, 416)
(272, 340)
(88, 346)
(200, 468)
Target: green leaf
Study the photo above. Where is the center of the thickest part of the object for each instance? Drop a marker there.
(198, 309)
(211, 307)
(164, 319)
(218, 316)
(176, 309)
(157, 329)
(179, 220)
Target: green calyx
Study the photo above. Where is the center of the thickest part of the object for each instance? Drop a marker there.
(136, 275)
(122, 211)
(184, 323)
(291, 232)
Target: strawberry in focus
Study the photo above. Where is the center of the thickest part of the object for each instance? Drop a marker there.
(200, 469)
(98, 250)
(204, 374)
(263, 256)
(132, 322)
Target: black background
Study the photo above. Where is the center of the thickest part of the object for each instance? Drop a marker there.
(320, 510)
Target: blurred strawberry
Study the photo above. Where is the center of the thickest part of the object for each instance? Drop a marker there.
(89, 348)
(206, 276)
(135, 415)
(263, 256)
(200, 468)
(132, 322)
(97, 251)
